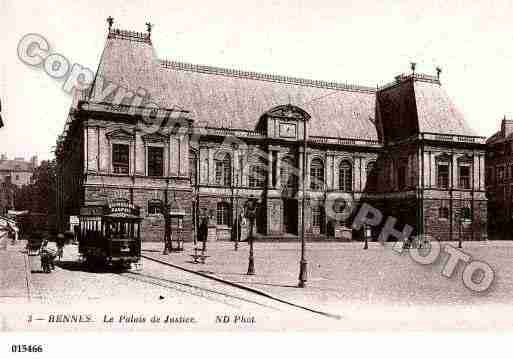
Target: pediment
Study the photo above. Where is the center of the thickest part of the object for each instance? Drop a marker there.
(121, 133)
(290, 112)
(155, 137)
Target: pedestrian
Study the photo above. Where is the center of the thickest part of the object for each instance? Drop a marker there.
(60, 242)
(203, 231)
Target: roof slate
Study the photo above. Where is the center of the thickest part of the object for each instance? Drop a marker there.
(235, 99)
(15, 166)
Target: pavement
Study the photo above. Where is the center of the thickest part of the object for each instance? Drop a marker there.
(369, 289)
(15, 276)
(342, 274)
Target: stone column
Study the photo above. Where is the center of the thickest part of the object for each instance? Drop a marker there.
(475, 172)
(278, 168)
(482, 172)
(270, 169)
(430, 170)
(140, 155)
(211, 170)
(329, 172)
(301, 169)
(454, 171)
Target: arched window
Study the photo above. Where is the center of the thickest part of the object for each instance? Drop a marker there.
(316, 174)
(223, 214)
(223, 166)
(371, 176)
(257, 174)
(345, 176)
(193, 167)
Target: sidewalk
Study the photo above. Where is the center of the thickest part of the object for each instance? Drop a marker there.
(14, 272)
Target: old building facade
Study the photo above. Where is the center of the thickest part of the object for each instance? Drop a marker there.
(499, 181)
(154, 131)
(14, 174)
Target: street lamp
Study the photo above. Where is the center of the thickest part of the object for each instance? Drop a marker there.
(367, 233)
(237, 219)
(303, 265)
(250, 211)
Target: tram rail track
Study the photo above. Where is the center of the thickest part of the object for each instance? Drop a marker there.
(194, 290)
(245, 288)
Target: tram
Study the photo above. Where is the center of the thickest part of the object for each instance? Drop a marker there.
(110, 234)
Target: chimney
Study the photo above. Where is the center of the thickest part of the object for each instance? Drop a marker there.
(3, 157)
(506, 127)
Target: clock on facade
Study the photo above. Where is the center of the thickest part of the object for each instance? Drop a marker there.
(288, 130)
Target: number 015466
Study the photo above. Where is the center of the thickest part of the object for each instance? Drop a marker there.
(22, 348)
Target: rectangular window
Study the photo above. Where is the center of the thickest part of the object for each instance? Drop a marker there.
(316, 216)
(154, 207)
(155, 161)
(489, 176)
(443, 212)
(401, 177)
(257, 176)
(120, 158)
(500, 174)
(464, 176)
(443, 176)
(223, 214)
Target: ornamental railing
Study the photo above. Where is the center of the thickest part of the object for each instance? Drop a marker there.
(451, 138)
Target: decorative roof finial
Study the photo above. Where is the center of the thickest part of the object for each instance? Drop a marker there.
(413, 65)
(149, 26)
(438, 72)
(110, 21)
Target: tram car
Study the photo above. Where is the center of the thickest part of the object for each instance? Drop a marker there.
(110, 234)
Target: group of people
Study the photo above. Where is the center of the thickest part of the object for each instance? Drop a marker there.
(7, 232)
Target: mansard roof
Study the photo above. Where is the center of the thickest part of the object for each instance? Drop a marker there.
(417, 103)
(225, 98)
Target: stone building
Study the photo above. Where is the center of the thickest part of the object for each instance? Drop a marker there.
(153, 131)
(13, 175)
(499, 181)
(18, 171)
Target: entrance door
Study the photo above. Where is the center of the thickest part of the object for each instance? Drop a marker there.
(290, 216)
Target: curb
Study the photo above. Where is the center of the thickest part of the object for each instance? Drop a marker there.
(28, 276)
(243, 287)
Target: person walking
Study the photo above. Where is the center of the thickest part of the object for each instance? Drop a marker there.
(60, 242)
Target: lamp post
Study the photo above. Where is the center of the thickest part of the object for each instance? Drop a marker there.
(303, 264)
(237, 219)
(250, 210)
(366, 234)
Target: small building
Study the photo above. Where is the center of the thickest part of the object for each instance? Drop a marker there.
(18, 171)
(14, 174)
(150, 129)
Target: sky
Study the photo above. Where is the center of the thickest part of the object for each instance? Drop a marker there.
(361, 42)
